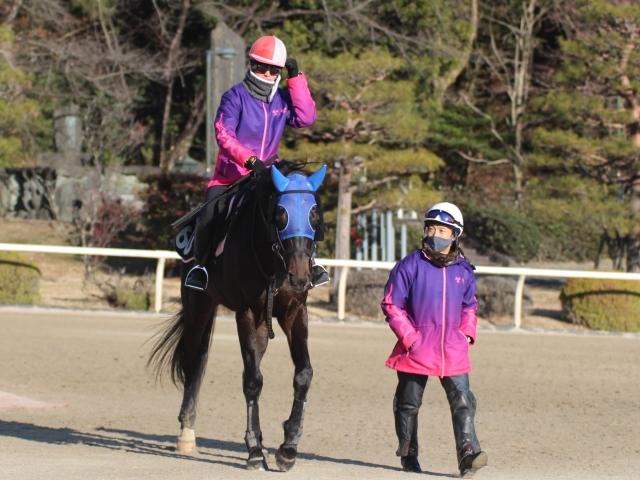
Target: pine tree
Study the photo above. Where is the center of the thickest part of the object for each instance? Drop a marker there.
(593, 116)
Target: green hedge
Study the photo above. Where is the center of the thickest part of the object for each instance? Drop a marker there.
(503, 230)
(19, 278)
(603, 304)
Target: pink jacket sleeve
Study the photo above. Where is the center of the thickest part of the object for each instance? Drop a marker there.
(303, 107)
(468, 319)
(393, 306)
(226, 122)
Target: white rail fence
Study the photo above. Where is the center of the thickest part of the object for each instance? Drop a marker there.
(163, 255)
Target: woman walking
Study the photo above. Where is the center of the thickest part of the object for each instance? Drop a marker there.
(430, 305)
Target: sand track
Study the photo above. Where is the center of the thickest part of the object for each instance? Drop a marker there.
(560, 406)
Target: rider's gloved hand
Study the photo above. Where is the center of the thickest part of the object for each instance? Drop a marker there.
(292, 67)
(256, 165)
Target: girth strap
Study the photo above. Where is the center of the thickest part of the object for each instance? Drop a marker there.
(271, 292)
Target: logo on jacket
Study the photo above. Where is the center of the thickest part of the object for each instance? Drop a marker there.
(277, 111)
(459, 280)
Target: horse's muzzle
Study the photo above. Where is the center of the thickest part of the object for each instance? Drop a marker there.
(300, 284)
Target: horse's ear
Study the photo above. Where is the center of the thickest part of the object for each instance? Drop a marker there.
(316, 179)
(279, 180)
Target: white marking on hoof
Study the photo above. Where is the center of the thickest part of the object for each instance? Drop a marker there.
(187, 441)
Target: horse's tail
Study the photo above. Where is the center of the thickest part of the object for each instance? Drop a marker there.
(169, 354)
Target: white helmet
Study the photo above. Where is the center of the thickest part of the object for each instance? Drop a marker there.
(447, 214)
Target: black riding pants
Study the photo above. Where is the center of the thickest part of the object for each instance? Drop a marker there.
(206, 222)
(462, 403)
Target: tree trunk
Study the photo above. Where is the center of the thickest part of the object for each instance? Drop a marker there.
(168, 74)
(189, 131)
(442, 83)
(343, 221)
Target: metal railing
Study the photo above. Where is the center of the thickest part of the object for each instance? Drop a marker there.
(163, 255)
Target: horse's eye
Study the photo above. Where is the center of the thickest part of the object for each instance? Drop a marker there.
(314, 217)
(282, 217)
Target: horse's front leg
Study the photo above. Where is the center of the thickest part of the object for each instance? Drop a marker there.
(296, 329)
(253, 344)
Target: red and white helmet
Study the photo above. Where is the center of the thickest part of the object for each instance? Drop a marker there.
(269, 50)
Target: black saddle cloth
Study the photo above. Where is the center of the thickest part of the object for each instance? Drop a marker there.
(225, 212)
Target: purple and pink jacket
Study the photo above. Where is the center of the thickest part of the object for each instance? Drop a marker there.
(246, 126)
(433, 309)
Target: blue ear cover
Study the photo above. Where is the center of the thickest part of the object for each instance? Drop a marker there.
(315, 180)
(279, 180)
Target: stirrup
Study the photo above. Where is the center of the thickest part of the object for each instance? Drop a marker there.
(319, 275)
(194, 271)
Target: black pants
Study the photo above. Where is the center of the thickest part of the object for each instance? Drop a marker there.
(462, 403)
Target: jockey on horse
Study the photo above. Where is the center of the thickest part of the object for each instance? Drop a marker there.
(248, 128)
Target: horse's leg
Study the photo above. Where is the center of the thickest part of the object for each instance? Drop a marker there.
(296, 329)
(253, 344)
(193, 348)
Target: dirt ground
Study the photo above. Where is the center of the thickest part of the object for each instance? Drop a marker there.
(550, 405)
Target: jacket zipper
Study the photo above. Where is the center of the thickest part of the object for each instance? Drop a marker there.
(444, 318)
(264, 133)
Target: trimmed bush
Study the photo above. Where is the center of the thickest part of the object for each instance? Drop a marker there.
(602, 304)
(133, 300)
(504, 230)
(19, 279)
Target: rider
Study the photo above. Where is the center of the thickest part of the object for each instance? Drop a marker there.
(429, 303)
(248, 129)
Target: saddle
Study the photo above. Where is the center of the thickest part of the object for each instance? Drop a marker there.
(228, 207)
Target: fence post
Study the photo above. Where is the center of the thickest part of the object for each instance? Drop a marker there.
(517, 304)
(342, 292)
(159, 279)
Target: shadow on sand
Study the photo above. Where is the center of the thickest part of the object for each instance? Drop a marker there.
(159, 445)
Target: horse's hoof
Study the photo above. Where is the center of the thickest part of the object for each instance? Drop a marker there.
(257, 460)
(186, 441)
(286, 457)
(187, 446)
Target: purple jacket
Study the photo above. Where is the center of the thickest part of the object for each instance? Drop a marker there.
(433, 309)
(246, 127)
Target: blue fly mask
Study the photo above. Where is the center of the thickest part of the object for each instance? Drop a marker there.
(297, 195)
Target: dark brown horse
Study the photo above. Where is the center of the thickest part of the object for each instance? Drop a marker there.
(241, 278)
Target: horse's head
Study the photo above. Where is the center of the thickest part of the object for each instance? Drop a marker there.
(297, 218)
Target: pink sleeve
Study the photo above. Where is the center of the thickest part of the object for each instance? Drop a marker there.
(303, 106)
(398, 320)
(468, 324)
(226, 122)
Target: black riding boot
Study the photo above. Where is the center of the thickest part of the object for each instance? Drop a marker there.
(463, 409)
(406, 405)
(198, 277)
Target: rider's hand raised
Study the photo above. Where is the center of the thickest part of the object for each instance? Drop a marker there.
(292, 67)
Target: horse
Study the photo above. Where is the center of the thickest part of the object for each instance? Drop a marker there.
(261, 272)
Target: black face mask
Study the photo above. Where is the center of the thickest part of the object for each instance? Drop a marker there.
(438, 244)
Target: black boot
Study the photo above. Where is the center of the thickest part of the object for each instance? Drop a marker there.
(319, 275)
(463, 410)
(473, 462)
(410, 464)
(198, 277)
(406, 405)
